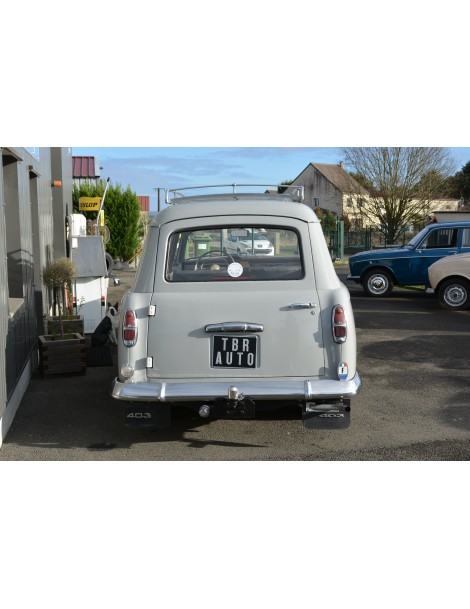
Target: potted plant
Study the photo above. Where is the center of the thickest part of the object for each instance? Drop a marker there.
(62, 350)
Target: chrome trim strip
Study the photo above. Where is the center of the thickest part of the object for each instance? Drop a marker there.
(234, 326)
(275, 389)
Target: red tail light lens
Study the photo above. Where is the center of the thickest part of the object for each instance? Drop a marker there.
(339, 324)
(129, 328)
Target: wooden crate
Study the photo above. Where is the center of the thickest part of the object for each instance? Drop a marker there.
(71, 326)
(62, 356)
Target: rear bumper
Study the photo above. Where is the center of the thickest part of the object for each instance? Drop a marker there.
(267, 389)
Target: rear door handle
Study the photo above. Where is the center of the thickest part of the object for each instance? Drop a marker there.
(302, 305)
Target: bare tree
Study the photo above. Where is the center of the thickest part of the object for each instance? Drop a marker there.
(401, 183)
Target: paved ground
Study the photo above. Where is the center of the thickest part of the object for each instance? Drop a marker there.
(414, 405)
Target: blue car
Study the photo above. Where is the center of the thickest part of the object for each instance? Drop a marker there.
(379, 270)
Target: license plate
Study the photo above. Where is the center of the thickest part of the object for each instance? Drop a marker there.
(234, 351)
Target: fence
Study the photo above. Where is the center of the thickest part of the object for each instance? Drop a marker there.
(335, 241)
(341, 242)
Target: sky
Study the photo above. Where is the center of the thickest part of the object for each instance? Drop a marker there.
(144, 168)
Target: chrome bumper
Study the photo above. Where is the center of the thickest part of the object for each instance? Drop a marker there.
(356, 278)
(257, 390)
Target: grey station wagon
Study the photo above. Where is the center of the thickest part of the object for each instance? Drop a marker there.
(229, 331)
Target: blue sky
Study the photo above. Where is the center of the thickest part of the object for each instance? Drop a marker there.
(144, 169)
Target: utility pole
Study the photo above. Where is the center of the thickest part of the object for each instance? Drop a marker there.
(158, 188)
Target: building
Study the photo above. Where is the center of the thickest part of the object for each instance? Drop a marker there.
(86, 170)
(330, 187)
(144, 202)
(35, 198)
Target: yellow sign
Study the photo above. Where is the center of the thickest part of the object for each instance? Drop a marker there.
(89, 203)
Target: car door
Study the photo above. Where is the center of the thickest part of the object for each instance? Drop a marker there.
(245, 317)
(464, 240)
(439, 242)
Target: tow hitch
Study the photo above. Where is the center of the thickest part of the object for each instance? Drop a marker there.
(235, 406)
(336, 415)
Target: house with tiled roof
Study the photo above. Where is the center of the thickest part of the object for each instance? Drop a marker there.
(331, 188)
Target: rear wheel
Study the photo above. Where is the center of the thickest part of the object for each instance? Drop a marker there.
(377, 282)
(454, 294)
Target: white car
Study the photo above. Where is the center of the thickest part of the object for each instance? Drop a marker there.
(245, 241)
(230, 333)
(450, 279)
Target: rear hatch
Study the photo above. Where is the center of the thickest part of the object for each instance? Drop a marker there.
(219, 316)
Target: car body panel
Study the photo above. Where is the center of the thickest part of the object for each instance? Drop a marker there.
(450, 266)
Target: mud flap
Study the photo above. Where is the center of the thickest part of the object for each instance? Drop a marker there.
(326, 416)
(149, 415)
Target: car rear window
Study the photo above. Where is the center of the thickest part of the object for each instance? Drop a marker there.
(234, 253)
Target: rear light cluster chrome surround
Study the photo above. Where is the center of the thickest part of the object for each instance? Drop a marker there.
(129, 328)
(339, 324)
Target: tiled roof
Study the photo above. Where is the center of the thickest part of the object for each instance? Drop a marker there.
(85, 167)
(340, 178)
(144, 201)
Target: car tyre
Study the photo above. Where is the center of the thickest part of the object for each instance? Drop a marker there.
(454, 294)
(377, 283)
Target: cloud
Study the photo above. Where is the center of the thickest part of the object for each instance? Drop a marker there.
(167, 171)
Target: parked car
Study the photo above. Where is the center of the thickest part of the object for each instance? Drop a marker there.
(230, 333)
(379, 270)
(450, 279)
(245, 241)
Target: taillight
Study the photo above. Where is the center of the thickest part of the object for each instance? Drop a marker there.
(129, 328)
(339, 325)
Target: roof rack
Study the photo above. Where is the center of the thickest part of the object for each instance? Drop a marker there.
(297, 191)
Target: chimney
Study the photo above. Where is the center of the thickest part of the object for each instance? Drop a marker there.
(341, 164)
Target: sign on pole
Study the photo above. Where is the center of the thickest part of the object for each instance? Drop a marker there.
(89, 203)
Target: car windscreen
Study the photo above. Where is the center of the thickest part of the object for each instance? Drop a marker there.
(234, 253)
(417, 238)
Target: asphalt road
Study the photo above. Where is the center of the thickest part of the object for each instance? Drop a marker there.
(413, 357)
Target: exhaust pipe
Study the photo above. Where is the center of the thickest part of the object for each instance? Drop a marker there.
(204, 411)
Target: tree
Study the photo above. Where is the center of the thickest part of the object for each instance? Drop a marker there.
(460, 184)
(401, 183)
(283, 190)
(122, 216)
(327, 219)
(347, 222)
(58, 277)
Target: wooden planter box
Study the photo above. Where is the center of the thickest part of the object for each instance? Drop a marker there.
(71, 326)
(62, 355)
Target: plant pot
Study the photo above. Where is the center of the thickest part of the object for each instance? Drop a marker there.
(62, 355)
(71, 326)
